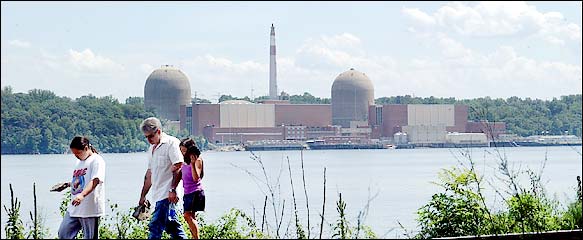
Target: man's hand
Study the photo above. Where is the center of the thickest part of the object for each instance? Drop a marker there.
(77, 200)
(175, 167)
(142, 201)
(172, 197)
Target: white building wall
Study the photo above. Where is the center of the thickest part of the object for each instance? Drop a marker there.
(247, 115)
(431, 115)
(400, 138)
(466, 138)
(425, 134)
(254, 119)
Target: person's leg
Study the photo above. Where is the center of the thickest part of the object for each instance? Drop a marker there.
(188, 216)
(197, 228)
(159, 219)
(90, 227)
(173, 226)
(191, 220)
(69, 228)
(198, 204)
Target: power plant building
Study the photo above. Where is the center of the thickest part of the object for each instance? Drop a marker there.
(352, 94)
(423, 123)
(166, 89)
(352, 115)
(241, 121)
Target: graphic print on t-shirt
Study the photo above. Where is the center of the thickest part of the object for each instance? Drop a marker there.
(78, 181)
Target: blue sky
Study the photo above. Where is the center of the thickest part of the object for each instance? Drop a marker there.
(442, 49)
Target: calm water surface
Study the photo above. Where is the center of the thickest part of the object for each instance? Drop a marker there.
(398, 181)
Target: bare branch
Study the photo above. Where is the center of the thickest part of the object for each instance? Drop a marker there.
(323, 205)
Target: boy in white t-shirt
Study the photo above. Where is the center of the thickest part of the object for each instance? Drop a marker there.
(87, 192)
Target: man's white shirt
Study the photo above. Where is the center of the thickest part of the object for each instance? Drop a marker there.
(160, 163)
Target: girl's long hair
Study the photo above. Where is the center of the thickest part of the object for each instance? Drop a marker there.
(80, 142)
(191, 150)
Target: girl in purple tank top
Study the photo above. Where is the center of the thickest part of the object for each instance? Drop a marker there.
(192, 174)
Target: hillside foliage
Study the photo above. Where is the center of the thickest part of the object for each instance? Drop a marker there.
(41, 122)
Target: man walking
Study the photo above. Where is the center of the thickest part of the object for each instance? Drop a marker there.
(163, 175)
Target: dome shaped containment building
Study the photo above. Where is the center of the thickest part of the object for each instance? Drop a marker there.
(352, 94)
(166, 89)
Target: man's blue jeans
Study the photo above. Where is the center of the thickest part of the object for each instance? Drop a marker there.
(162, 220)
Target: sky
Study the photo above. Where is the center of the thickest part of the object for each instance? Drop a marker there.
(464, 50)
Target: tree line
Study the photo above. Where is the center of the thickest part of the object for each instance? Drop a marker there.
(41, 122)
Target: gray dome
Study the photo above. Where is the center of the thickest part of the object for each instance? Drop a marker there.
(352, 94)
(166, 89)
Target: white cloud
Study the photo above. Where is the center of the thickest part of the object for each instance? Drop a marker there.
(491, 18)
(464, 73)
(312, 69)
(88, 61)
(457, 71)
(72, 73)
(497, 19)
(20, 44)
(345, 40)
(330, 52)
(420, 18)
(210, 75)
(452, 49)
(146, 68)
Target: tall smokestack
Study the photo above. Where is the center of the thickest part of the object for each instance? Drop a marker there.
(272, 66)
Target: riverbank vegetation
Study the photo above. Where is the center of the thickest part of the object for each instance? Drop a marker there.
(461, 208)
(40, 122)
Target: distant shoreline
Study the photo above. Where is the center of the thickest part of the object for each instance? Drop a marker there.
(283, 150)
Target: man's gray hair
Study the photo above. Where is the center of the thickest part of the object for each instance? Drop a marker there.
(150, 124)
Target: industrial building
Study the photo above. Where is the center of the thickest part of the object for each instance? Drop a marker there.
(422, 123)
(352, 93)
(352, 116)
(166, 89)
(236, 121)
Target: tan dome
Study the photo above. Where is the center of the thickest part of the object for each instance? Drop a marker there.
(352, 94)
(166, 89)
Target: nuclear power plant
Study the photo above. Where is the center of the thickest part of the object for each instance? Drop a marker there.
(167, 88)
(352, 94)
(352, 118)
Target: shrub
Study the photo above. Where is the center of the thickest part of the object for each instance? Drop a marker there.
(14, 227)
(460, 210)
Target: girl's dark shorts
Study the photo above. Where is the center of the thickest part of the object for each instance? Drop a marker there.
(194, 201)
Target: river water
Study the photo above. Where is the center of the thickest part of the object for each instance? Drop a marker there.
(393, 183)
